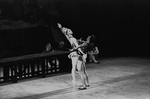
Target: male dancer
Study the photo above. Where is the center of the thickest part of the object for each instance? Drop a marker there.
(77, 59)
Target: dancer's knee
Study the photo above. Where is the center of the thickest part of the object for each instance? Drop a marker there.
(81, 72)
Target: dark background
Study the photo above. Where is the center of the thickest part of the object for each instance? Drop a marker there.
(121, 27)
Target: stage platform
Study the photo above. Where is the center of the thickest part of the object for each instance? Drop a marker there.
(112, 78)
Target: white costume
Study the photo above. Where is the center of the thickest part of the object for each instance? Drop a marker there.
(78, 61)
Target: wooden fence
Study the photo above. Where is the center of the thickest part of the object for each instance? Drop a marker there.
(35, 65)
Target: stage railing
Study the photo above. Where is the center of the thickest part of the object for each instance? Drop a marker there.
(35, 65)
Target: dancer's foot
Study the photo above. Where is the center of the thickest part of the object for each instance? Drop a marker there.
(96, 62)
(82, 88)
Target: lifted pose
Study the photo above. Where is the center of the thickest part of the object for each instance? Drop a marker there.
(78, 58)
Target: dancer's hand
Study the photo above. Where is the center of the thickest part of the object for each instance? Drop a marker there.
(59, 25)
(69, 56)
(71, 49)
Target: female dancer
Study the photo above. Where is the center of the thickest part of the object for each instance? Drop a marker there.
(77, 57)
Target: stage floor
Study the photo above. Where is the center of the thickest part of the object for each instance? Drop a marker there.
(112, 78)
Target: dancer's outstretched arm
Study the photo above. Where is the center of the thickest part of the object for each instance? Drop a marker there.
(63, 30)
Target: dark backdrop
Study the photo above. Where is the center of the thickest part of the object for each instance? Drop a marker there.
(121, 27)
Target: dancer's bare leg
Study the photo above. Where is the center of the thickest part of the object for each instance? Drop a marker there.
(73, 71)
(92, 55)
(89, 58)
(82, 75)
(84, 69)
(86, 75)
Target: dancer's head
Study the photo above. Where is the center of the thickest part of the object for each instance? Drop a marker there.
(69, 32)
(90, 38)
